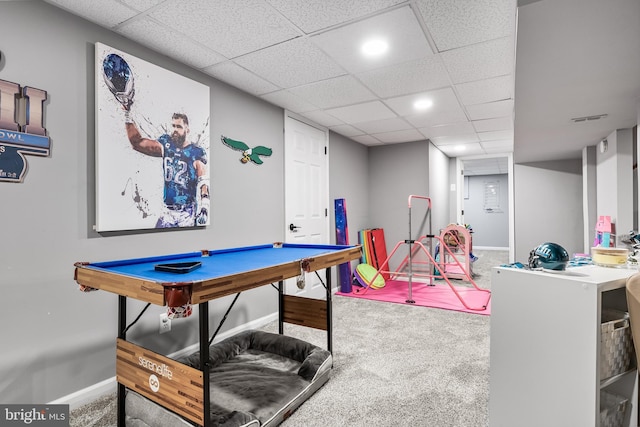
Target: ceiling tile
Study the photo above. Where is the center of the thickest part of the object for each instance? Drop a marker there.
(500, 123)
(480, 61)
(437, 118)
(322, 118)
(288, 101)
(400, 136)
(456, 23)
(444, 100)
(343, 90)
(472, 149)
(231, 28)
(362, 112)
(454, 129)
(141, 5)
(495, 135)
(313, 15)
(498, 151)
(492, 147)
(291, 64)
(347, 130)
(491, 110)
(455, 140)
(107, 13)
(486, 166)
(445, 109)
(171, 43)
(366, 140)
(233, 74)
(399, 27)
(386, 125)
(488, 90)
(413, 76)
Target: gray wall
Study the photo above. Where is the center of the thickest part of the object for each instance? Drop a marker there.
(490, 229)
(453, 191)
(349, 180)
(548, 206)
(395, 172)
(439, 189)
(57, 340)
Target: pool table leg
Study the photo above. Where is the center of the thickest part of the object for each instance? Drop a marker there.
(122, 325)
(204, 359)
(327, 272)
(281, 307)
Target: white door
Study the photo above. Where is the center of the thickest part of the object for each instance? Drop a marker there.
(306, 194)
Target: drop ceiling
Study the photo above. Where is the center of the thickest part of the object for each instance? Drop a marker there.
(305, 56)
(575, 58)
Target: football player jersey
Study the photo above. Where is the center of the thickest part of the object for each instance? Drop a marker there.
(180, 178)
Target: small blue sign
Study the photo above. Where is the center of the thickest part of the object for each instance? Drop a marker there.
(13, 165)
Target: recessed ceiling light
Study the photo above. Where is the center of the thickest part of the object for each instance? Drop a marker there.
(375, 47)
(460, 148)
(423, 104)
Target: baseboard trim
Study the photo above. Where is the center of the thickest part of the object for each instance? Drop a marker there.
(108, 386)
(88, 394)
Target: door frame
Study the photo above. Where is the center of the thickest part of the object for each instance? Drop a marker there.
(460, 194)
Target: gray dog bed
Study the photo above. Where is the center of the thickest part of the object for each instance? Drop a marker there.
(256, 379)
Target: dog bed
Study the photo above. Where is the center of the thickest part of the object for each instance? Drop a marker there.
(256, 379)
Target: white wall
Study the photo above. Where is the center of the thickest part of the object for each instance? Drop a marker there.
(614, 180)
(589, 196)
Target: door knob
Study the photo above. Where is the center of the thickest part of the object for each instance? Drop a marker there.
(293, 227)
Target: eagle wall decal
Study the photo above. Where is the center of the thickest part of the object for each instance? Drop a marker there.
(247, 152)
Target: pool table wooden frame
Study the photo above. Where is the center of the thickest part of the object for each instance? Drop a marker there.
(180, 388)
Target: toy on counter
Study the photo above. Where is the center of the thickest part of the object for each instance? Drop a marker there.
(603, 232)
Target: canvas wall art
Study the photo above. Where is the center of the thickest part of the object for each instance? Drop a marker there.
(152, 145)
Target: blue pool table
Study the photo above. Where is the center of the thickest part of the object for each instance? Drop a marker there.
(218, 273)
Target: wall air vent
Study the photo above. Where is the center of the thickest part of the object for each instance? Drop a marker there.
(589, 118)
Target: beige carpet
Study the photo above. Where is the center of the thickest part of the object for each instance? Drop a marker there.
(394, 365)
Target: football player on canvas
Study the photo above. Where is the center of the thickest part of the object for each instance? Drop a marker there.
(186, 193)
(186, 188)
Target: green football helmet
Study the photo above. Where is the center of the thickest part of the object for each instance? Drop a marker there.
(549, 256)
